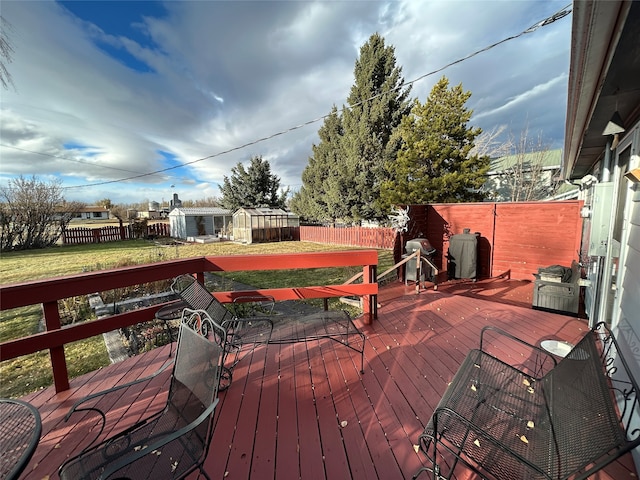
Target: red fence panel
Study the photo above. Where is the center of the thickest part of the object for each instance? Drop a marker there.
(382, 238)
(445, 220)
(538, 234)
(514, 238)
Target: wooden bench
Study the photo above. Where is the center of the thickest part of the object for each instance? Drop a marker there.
(554, 420)
(244, 332)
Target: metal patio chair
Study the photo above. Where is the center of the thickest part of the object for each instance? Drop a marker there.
(173, 442)
(244, 333)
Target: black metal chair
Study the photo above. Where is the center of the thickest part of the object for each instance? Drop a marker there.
(20, 429)
(173, 442)
(244, 333)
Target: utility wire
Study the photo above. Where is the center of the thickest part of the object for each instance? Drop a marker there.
(543, 23)
(69, 159)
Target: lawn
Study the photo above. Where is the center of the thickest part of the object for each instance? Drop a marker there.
(29, 373)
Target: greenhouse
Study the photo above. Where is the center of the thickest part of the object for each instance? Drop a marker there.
(260, 225)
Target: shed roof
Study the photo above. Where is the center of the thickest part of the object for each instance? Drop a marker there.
(199, 211)
(262, 211)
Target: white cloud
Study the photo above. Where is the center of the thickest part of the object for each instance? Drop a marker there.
(224, 74)
(535, 93)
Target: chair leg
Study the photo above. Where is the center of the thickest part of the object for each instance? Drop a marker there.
(435, 471)
(203, 473)
(226, 376)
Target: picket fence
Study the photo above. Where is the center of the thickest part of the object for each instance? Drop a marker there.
(83, 235)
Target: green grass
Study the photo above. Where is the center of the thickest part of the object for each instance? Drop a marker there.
(33, 372)
(29, 373)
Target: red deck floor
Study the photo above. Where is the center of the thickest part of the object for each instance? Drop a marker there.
(305, 411)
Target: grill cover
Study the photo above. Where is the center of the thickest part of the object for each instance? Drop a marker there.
(463, 255)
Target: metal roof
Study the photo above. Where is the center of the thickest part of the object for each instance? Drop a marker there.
(199, 211)
(263, 211)
(549, 159)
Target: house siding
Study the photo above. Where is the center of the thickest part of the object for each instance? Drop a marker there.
(630, 300)
(628, 325)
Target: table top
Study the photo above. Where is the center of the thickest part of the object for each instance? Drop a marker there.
(172, 311)
(20, 429)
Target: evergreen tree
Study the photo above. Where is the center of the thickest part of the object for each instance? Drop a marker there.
(254, 187)
(320, 196)
(377, 103)
(342, 180)
(435, 162)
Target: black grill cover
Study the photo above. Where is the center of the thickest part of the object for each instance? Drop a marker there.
(463, 255)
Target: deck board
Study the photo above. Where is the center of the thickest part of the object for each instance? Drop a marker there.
(281, 417)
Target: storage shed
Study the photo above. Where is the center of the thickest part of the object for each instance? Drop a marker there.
(260, 225)
(199, 222)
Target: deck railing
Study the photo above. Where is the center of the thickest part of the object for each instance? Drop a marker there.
(48, 292)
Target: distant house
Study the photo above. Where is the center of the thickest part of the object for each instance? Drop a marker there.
(259, 225)
(92, 212)
(188, 223)
(528, 176)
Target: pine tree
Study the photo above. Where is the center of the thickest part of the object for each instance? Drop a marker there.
(320, 197)
(254, 187)
(435, 163)
(342, 180)
(377, 103)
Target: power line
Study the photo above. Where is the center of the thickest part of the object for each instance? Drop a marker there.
(69, 159)
(563, 12)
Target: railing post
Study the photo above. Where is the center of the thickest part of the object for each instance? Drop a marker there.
(369, 302)
(58, 361)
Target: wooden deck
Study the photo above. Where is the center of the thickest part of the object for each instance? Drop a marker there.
(305, 411)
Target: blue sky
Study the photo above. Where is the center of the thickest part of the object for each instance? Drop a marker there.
(134, 101)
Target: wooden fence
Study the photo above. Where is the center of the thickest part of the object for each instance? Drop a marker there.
(351, 236)
(82, 235)
(514, 239)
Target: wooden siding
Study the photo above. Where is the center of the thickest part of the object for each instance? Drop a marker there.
(304, 410)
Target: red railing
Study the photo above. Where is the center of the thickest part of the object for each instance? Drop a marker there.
(48, 292)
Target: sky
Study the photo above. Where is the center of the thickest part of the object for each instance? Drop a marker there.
(137, 101)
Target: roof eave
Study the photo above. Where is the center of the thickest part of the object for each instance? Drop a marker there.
(596, 30)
